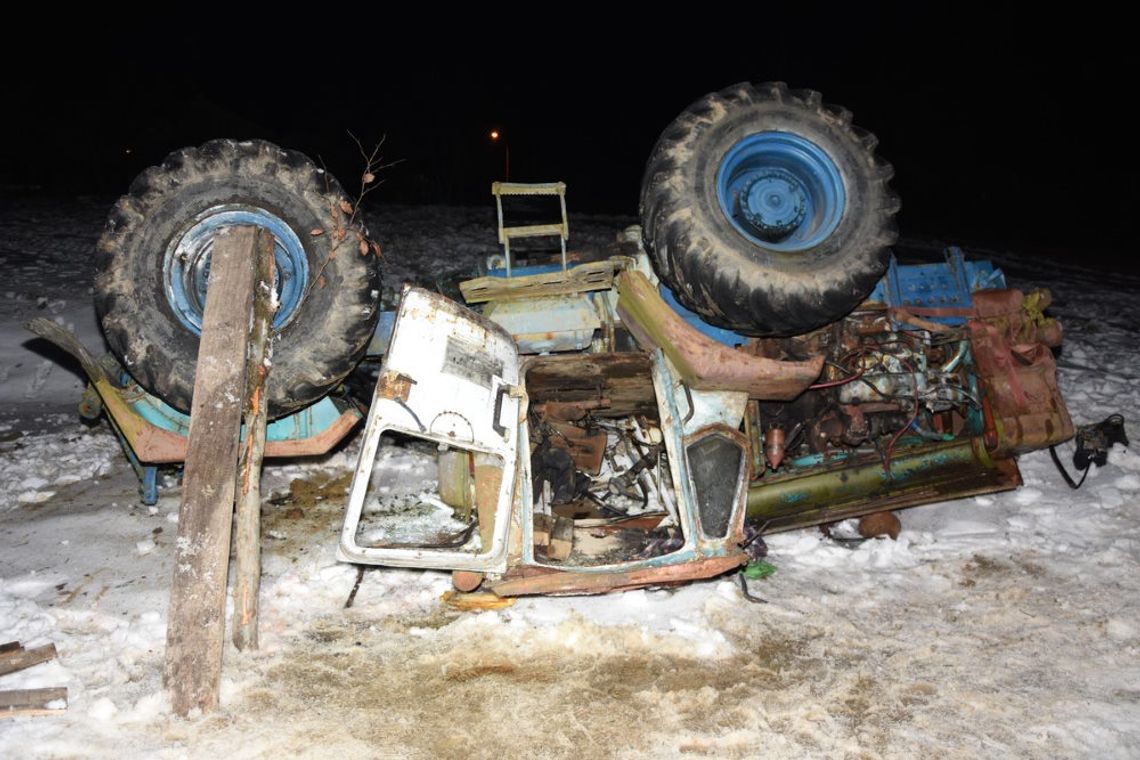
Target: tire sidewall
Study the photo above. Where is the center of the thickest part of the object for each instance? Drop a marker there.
(733, 280)
(833, 138)
(309, 353)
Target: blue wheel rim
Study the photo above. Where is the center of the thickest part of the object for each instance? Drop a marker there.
(781, 191)
(186, 264)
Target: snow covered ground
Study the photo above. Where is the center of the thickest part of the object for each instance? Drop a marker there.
(999, 626)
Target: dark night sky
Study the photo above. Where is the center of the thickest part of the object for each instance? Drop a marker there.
(1004, 130)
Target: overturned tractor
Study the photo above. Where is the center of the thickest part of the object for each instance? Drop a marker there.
(750, 359)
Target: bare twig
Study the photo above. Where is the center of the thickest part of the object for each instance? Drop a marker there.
(373, 163)
(345, 213)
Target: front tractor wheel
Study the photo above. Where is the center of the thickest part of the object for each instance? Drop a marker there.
(154, 261)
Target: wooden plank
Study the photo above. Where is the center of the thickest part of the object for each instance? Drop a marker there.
(247, 569)
(195, 628)
(476, 601)
(18, 659)
(14, 702)
(10, 646)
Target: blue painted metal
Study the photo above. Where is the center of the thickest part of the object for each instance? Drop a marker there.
(310, 421)
(719, 334)
(809, 461)
(975, 420)
(382, 335)
(146, 473)
(947, 285)
(781, 190)
(527, 270)
(186, 263)
(930, 435)
(547, 323)
(149, 485)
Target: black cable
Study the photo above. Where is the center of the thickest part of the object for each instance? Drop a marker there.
(1064, 474)
(748, 594)
(403, 404)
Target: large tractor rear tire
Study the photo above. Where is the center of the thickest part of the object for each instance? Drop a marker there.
(768, 212)
(154, 256)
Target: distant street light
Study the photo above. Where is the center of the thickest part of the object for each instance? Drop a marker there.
(497, 136)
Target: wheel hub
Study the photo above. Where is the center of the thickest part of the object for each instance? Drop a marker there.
(773, 202)
(186, 264)
(781, 190)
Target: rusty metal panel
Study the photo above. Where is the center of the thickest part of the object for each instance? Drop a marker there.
(393, 385)
(612, 385)
(586, 449)
(1010, 342)
(535, 580)
(703, 363)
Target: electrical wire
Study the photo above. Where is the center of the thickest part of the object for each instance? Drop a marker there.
(1064, 473)
(840, 381)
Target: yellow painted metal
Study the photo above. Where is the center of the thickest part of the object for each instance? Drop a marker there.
(129, 422)
(594, 275)
(561, 230)
(528, 188)
(534, 230)
(139, 434)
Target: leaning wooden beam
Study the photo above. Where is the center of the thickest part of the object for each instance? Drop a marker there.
(18, 659)
(195, 627)
(247, 570)
(49, 701)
